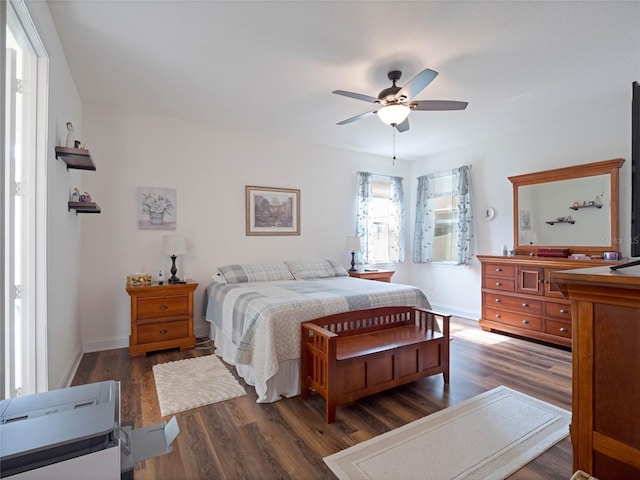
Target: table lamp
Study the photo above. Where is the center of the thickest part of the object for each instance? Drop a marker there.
(353, 245)
(173, 245)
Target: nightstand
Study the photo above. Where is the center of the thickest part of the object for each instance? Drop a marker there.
(378, 275)
(161, 317)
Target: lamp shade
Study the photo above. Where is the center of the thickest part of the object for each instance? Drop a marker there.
(173, 245)
(352, 244)
(394, 114)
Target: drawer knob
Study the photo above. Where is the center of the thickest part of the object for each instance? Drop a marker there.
(498, 284)
(525, 305)
(525, 322)
(564, 330)
(164, 331)
(163, 307)
(498, 315)
(498, 300)
(562, 310)
(498, 269)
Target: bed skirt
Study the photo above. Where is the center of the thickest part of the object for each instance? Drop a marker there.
(285, 383)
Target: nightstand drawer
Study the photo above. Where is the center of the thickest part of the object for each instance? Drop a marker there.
(562, 329)
(165, 306)
(558, 310)
(497, 270)
(497, 283)
(160, 332)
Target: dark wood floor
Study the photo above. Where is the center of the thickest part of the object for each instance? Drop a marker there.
(241, 439)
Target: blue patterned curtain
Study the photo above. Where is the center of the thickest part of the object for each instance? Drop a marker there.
(425, 221)
(466, 235)
(396, 221)
(365, 197)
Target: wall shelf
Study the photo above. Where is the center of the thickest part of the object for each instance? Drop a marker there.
(585, 206)
(84, 207)
(77, 158)
(553, 222)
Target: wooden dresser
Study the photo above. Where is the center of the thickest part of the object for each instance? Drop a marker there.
(518, 296)
(605, 427)
(161, 317)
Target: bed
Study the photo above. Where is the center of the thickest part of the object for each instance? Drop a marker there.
(255, 313)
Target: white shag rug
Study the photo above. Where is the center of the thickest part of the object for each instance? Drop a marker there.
(194, 382)
(489, 436)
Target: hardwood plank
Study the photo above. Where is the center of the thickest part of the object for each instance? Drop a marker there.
(240, 438)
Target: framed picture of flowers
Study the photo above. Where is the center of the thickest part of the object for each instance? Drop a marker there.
(157, 208)
(272, 211)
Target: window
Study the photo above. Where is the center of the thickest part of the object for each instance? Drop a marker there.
(380, 222)
(444, 218)
(23, 218)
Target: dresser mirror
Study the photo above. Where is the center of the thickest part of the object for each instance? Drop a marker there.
(572, 207)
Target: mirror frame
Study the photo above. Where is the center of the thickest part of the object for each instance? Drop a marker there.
(611, 167)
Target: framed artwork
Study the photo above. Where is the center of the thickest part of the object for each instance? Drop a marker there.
(525, 220)
(272, 211)
(157, 208)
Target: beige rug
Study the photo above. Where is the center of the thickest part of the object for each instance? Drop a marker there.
(485, 437)
(194, 382)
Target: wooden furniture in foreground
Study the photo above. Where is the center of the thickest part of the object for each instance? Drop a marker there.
(605, 427)
(379, 275)
(161, 317)
(350, 355)
(518, 296)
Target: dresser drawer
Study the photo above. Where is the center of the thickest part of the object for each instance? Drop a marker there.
(516, 304)
(514, 319)
(164, 306)
(497, 270)
(497, 283)
(559, 328)
(561, 311)
(162, 331)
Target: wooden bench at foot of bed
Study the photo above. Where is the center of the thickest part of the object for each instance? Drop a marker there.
(350, 355)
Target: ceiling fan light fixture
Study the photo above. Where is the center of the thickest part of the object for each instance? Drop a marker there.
(394, 114)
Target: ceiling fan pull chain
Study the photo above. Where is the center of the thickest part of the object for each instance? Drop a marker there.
(393, 130)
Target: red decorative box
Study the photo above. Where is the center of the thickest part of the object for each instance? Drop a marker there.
(553, 252)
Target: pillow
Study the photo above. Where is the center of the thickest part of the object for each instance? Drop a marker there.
(266, 272)
(317, 268)
(218, 277)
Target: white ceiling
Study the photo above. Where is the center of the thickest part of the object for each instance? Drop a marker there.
(271, 66)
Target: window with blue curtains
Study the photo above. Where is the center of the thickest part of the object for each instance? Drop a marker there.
(380, 219)
(434, 222)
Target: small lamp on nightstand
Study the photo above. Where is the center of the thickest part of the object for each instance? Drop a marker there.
(353, 245)
(173, 245)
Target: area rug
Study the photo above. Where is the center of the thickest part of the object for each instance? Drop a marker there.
(489, 436)
(194, 382)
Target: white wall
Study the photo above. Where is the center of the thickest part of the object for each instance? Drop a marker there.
(210, 167)
(600, 133)
(63, 228)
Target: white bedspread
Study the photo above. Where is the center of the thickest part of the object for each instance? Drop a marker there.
(260, 321)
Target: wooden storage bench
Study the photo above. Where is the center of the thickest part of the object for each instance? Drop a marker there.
(350, 355)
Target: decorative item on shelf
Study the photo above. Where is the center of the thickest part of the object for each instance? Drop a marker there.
(85, 197)
(139, 279)
(75, 196)
(353, 245)
(576, 205)
(70, 142)
(173, 245)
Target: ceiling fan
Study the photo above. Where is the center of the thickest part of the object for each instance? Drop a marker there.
(395, 103)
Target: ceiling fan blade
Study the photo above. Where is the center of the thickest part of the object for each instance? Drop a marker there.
(403, 126)
(357, 96)
(357, 117)
(438, 105)
(417, 84)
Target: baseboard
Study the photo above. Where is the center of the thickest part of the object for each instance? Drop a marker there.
(453, 310)
(101, 344)
(67, 378)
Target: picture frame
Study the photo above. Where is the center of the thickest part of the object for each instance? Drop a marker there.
(272, 211)
(157, 208)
